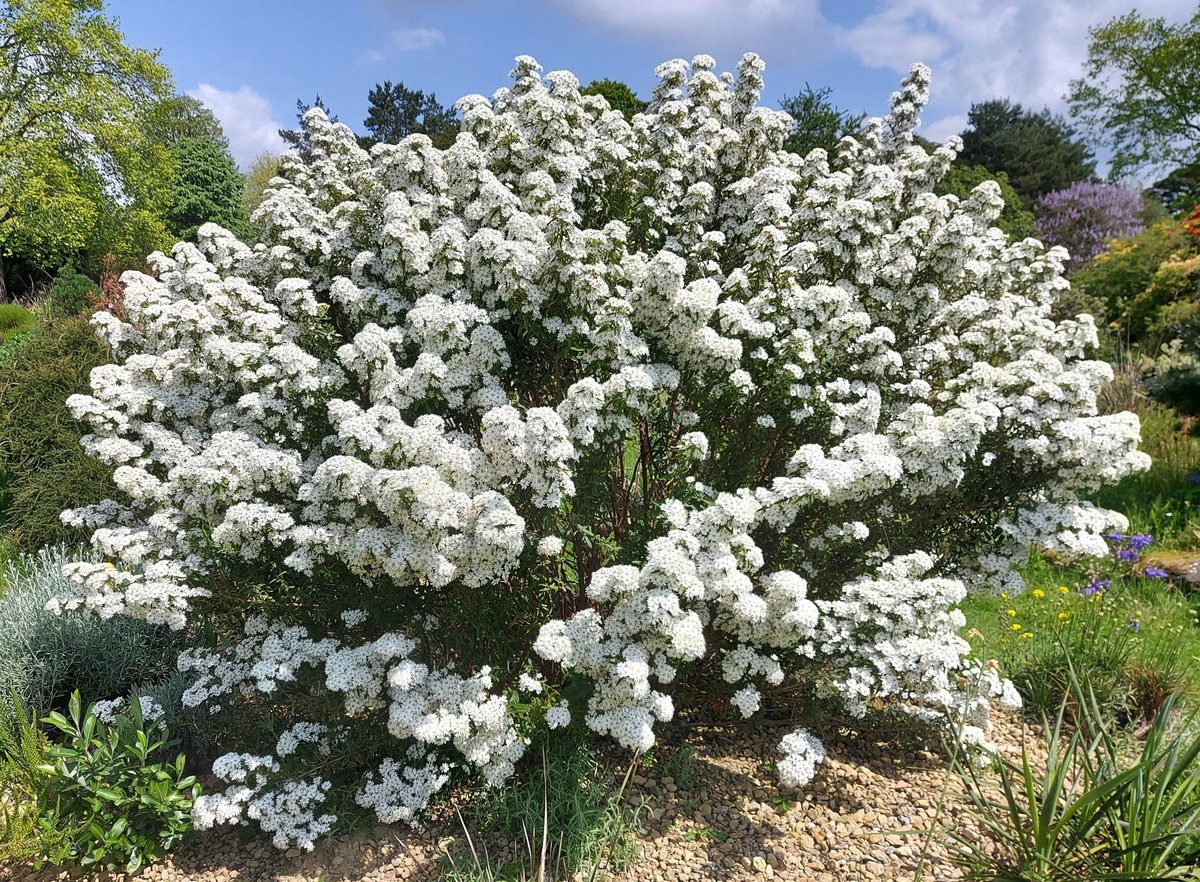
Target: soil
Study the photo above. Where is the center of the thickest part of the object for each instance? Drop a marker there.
(866, 816)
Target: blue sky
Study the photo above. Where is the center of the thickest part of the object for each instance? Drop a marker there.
(250, 60)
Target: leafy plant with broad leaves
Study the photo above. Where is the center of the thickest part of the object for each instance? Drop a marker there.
(131, 806)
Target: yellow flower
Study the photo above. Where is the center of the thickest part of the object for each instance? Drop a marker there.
(1004, 597)
(1012, 612)
(1016, 627)
(1063, 616)
(1026, 635)
(1038, 592)
(1063, 589)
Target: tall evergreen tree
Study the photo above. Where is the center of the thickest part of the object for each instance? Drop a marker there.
(816, 122)
(397, 111)
(1037, 151)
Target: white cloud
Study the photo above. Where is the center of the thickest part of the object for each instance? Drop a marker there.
(774, 28)
(246, 118)
(406, 40)
(1026, 50)
(941, 129)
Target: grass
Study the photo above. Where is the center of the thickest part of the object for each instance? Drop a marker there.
(1165, 500)
(1136, 641)
(562, 813)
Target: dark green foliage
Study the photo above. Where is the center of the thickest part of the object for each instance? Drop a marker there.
(43, 470)
(44, 656)
(960, 180)
(206, 187)
(71, 292)
(1038, 151)
(1178, 191)
(296, 138)
(397, 111)
(618, 95)
(816, 122)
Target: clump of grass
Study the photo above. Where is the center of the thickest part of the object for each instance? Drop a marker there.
(563, 815)
(1093, 809)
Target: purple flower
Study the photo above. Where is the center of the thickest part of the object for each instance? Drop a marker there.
(1140, 541)
(1127, 554)
(1135, 626)
(1193, 478)
(1155, 573)
(1115, 538)
(1096, 586)
(1085, 216)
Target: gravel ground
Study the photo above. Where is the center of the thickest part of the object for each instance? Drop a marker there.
(862, 818)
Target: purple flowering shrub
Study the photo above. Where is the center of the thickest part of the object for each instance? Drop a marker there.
(1085, 217)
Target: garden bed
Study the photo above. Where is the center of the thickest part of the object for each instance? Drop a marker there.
(710, 812)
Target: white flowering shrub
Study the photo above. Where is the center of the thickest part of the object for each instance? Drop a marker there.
(574, 407)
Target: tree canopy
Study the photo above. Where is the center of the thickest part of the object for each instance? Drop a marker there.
(206, 186)
(619, 96)
(76, 160)
(1138, 93)
(816, 122)
(1037, 151)
(396, 111)
(296, 138)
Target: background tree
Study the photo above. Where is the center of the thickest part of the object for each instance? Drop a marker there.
(816, 122)
(182, 116)
(618, 95)
(1086, 216)
(397, 111)
(295, 138)
(206, 187)
(1037, 151)
(1178, 191)
(72, 99)
(1138, 93)
(260, 173)
(1016, 220)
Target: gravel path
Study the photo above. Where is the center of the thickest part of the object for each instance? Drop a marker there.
(861, 819)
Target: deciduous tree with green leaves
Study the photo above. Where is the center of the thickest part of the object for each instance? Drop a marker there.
(618, 95)
(206, 187)
(75, 159)
(1138, 93)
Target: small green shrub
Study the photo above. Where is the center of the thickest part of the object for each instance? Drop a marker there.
(1113, 279)
(71, 292)
(102, 794)
(43, 656)
(15, 320)
(43, 470)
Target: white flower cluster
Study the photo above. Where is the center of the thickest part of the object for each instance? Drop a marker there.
(706, 396)
(287, 811)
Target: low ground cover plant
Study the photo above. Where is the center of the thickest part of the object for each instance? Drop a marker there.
(491, 440)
